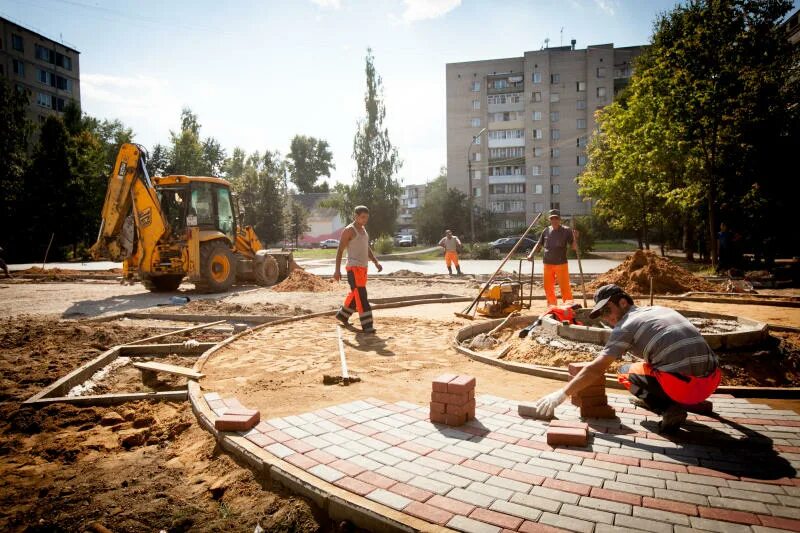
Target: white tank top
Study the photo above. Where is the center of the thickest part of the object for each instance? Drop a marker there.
(358, 247)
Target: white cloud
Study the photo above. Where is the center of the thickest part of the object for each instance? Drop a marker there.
(607, 6)
(427, 9)
(328, 4)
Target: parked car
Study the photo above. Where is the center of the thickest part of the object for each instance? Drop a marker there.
(498, 241)
(407, 240)
(329, 243)
(508, 243)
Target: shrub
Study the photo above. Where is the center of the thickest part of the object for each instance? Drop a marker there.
(384, 244)
(479, 251)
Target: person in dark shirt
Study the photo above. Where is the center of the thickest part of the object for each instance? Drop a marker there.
(555, 238)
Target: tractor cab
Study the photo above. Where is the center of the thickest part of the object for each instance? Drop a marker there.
(205, 203)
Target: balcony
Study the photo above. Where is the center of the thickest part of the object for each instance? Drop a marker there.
(506, 178)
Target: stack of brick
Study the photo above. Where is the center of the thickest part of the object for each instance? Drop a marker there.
(236, 417)
(568, 433)
(592, 400)
(453, 399)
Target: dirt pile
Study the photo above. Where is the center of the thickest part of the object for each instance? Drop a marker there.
(230, 308)
(301, 281)
(64, 274)
(635, 273)
(405, 273)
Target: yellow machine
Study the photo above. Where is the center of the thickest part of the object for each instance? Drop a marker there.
(170, 227)
(501, 298)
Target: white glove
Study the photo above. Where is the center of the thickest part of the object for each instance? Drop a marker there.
(191, 343)
(546, 406)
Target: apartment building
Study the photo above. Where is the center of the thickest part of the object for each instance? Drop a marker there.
(46, 70)
(411, 199)
(538, 114)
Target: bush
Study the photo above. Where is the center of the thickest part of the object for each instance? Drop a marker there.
(384, 244)
(478, 251)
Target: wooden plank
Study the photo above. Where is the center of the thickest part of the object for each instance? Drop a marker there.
(165, 349)
(77, 376)
(180, 317)
(152, 366)
(111, 399)
(184, 330)
(343, 359)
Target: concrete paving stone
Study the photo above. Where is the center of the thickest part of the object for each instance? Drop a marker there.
(641, 490)
(651, 472)
(644, 524)
(433, 464)
(416, 448)
(279, 450)
(278, 423)
(461, 452)
(496, 461)
(298, 446)
(259, 439)
(455, 433)
(356, 418)
(473, 498)
(315, 442)
(295, 420)
(469, 473)
(568, 486)
(581, 478)
(762, 529)
(510, 455)
(376, 425)
(536, 502)
(717, 525)
(355, 486)
(407, 405)
(785, 512)
(566, 522)
(729, 515)
(429, 443)
(584, 513)
(358, 405)
(383, 458)
(378, 480)
(535, 470)
(661, 516)
(349, 434)
(468, 525)
(547, 463)
(496, 518)
(375, 413)
(640, 454)
(561, 457)
(402, 454)
(314, 429)
(757, 487)
(328, 426)
(608, 442)
(605, 465)
(531, 448)
(706, 490)
(608, 528)
(490, 424)
(509, 484)
(326, 473)
(554, 494)
(347, 467)
(493, 491)
(515, 509)
(489, 442)
(616, 496)
(764, 497)
(605, 505)
(340, 452)
(790, 501)
(594, 472)
(654, 482)
(449, 504)
(210, 396)
(395, 473)
(446, 457)
(451, 479)
(410, 428)
(686, 497)
(365, 462)
(428, 513)
(410, 420)
(431, 485)
(792, 491)
(334, 438)
(373, 443)
(300, 461)
(311, 418)
(415, 468)
(523, 477)
(702, 480)
(390, 499)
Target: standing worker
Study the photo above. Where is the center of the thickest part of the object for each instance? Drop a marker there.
(679, 369)
(555, 239)
(3, 264)
(451, 247)
(356, 240)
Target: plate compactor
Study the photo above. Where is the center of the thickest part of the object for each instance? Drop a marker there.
(501, 298)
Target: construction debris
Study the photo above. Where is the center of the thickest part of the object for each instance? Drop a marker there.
(636, 272)
(328, 379)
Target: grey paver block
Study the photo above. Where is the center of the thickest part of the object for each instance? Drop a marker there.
(313, 429)
(390, 499)
(433, 464)
(511, 484)
(414, 468)
(762, 529)
(468, 525)
(628, 452)
(383, 457)
(429, 443)
(584, 513)
(469, 473)
(515, 509)
(365, 462)
(554, 494)
(546, 463)
(717, 525)
(340, 452)
(522, 450)
(491, 490)
(608, 528)
(566, 522)
(581, 478)
(676, 495)
(683, 486)
(757, 487)
(357, 447)
(470, 497)
(786, 512)
(325, 472)
(376, 425)
(431, 485)
(316, 442)
(592, 471)
(654, 482)
(536, 502)
(738, 505)
(703, 480)
(562, 457)
(661, 516)
(509, 455)
(373, 443)
(279, 450)
(461, 451)
(402, 454)
(645, 524)
(651, 472)
(791, 501)
(494, 460)
(451, 479)
(628, 487)
(536, 470)
(605, 505)
(334, 438)
(605, 465)
(278, 423)
(395, 473)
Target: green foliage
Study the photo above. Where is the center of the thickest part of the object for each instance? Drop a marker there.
(308, 160)
(189, 154)
(298, 221)
(158, 161)
(259, 186)
(377, 162)
(478, 250)
(384, 244)
(14, 133)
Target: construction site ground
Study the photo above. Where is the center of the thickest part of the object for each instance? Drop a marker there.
(149, 466)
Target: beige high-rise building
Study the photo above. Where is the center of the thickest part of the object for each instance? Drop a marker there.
(46, 70)
(538, 111)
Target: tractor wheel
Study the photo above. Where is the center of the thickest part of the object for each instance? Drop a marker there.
(217, 267)
(163, 283)
(266, 270)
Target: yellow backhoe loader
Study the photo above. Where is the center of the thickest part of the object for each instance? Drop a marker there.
(167, 228)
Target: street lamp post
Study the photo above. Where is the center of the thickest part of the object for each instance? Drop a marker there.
(469, 185)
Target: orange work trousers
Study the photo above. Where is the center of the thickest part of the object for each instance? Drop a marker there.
(451, 258)
(551, 274)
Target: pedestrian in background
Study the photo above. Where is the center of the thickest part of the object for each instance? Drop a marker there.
(554, 240)
(451, 245)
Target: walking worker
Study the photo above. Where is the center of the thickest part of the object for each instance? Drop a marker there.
(356, 240)
(679, 369)
(554, 239)
(451, 245)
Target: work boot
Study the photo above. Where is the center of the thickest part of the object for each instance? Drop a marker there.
(450, 270)
(458, 268)
(671, 420)
(637, 402)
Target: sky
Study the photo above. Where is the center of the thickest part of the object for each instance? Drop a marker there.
(258, 73)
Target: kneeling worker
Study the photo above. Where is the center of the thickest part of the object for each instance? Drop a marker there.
(679, 368)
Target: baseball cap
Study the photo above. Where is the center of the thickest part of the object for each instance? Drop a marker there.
(554, 213)
(602, 296)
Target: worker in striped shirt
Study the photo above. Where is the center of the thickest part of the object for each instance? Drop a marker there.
(678, 368)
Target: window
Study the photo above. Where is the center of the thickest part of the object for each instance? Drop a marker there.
(476, 192)
(476, 139)
(581, 141)
(581, 86)
(510, 170)
(555, 134)
(508, 188)
(42, 76)
(498, 84)
(555, 188)
(580, 104)
(507, 153)
(581, 160)
(63, 61)
(16, 43)
(507, 206)
(536, 96)
(536, 170)
(476, 104)
(44, 100)
(538, 151)
(476, 156)
(601, 92)
(19, 68)
(475, 123)
(475, 87)
(45, 54)
(555, 78)
(554, 116)
(506, 116)
(555, 152)
(537, 134)
(507, 134)
(601, 72)
(225, 213)
(511, 98)
(581, 124)
(537, 115)
(538, 188)
(537, 77)
(555, 171)
(476, 174)
(538, 207)
(555, 205)
(555, 97)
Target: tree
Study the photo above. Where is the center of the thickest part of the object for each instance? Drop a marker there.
(259, 184)
(309, 159)
(213, 157)
(14, 160)
(158, 161)
(377, 162)
(298, 221)
(186, 154)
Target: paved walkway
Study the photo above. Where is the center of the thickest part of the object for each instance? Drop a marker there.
(468, 266)
(734, 472)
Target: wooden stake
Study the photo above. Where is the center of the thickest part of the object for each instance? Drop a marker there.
(47, 252)
(345, 375)
(651, 290)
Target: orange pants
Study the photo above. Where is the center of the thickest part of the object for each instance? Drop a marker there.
(357, 300)
(561, 273)
(659, 388)
(451, 258)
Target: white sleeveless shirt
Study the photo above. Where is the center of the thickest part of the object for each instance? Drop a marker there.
(358, 247)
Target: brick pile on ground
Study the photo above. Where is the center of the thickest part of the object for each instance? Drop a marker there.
(301, 281)
(453, 399)
(568, 433)
(236, 417)
(635, 272)
(592, 400)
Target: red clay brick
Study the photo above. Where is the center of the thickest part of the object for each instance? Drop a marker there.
(364, 430)
(605, 411)
(237, 420)
(619, 459)
(440, 383)
(658, 465)
(321, 456)
(428, 513)
(594, 390)
(449, 504)
(699, 470)
(616, 496)
(413, 493)
(355, 485)
(498, 519)
(388, 439)
(455, 420)
(567, 437)
(780, 481)
(522, 477)
(779, 522)
(535, 527)
(669, 505)
(351, 469)
(446, 397)
(301, 461)
(438, 418)
(298, 446)
(461, 385)
(378, 480)
(575, 368)
(556, 423)
(446, 457)
(590, 401)
(437, 407)
(535, 444)
(483, 467)
(416, 448)
(567, 486)
(458, 410)
(728, 515)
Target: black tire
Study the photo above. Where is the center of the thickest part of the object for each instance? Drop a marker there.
(163, 283)
(266, 270)
(217, 267)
